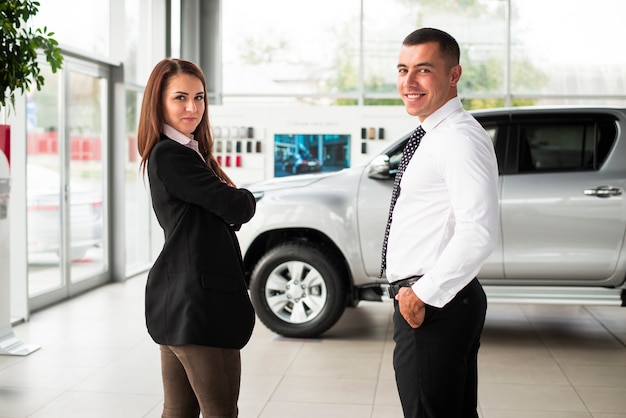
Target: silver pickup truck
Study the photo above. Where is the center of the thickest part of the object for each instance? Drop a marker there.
(313, 248)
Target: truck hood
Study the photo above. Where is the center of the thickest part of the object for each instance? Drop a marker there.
(289, 182)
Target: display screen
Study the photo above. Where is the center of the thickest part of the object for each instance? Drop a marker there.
(310, 153)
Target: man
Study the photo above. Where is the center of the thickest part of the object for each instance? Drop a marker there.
(444, 227)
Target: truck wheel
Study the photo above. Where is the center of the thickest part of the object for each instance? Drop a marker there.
(297, 291)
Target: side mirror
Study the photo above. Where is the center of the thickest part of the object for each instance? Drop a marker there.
(379, 168)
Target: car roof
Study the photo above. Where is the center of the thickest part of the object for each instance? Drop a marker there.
(546, 110)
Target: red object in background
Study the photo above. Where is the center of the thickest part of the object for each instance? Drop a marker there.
(87, 148)
(132, 148)
(228, 161)
(5, 141)
(219, 159)
(42, 143)
(238, 161)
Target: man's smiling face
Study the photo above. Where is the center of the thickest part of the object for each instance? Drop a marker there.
(426, 81)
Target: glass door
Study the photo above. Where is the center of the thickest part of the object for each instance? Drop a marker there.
(85, 180)
(66, 182)
(44, 186)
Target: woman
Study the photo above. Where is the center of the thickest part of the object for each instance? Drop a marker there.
(197, 304)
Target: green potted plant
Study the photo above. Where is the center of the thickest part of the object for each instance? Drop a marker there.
(19, 45)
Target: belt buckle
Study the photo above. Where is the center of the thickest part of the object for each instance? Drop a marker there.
(394, 289)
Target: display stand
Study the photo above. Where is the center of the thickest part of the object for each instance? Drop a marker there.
(9, 343)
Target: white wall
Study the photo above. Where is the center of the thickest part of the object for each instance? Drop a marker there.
(229, 121)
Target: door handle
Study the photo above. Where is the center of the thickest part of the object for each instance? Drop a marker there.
(603, 191)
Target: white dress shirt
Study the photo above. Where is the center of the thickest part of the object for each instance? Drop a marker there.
(445, 221)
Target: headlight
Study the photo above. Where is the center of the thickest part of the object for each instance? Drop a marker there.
(258, 195)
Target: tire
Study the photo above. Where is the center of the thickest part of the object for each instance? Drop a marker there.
(297, 290)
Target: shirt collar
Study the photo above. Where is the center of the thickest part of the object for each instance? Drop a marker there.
(176, 135)
(443, 112)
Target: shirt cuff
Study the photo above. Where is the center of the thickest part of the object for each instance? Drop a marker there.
(430, 293)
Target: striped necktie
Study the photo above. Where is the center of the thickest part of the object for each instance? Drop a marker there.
(407, 153)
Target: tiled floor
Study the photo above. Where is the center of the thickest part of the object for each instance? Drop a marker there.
(96, 360)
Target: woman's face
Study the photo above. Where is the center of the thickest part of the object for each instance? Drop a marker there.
(183, 103)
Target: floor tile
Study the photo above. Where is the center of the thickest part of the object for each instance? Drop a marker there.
(386, 393)
(20, 403)
(603, 399)
(279, 409)
(97, 405)
(97, 360)
(499, 413)
(325, 390)
(34, 376)
(530, 397)
(595, 374)
(259, 387)
(527, 371)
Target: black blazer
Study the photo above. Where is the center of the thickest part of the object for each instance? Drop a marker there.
(196, 291)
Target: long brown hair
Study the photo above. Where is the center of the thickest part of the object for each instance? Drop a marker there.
(152, 118)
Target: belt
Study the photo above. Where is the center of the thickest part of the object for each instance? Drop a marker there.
(395, 287)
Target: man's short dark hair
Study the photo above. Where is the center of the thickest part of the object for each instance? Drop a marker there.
(447, 44)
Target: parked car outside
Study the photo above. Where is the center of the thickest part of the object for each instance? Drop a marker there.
(313, 247)
(44, 216)
(302, 162)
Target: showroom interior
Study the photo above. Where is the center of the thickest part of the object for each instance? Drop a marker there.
(320, 71)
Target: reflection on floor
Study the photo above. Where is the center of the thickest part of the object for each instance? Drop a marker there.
(44, 270)
(96, 360)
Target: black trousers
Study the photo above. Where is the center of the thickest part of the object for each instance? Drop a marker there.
(436, 365)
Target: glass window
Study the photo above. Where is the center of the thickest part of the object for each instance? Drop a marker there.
(555, 147)
(86, 127)
(138, 60)
(84, 24)
(565, 146)
(479, 27)
(43, 186)
(311, 49)
(138, 209)
(579, 58)
(512, 52)
(131, 32)
(66, 218)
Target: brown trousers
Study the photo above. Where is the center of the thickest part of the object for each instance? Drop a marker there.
(200, 379)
